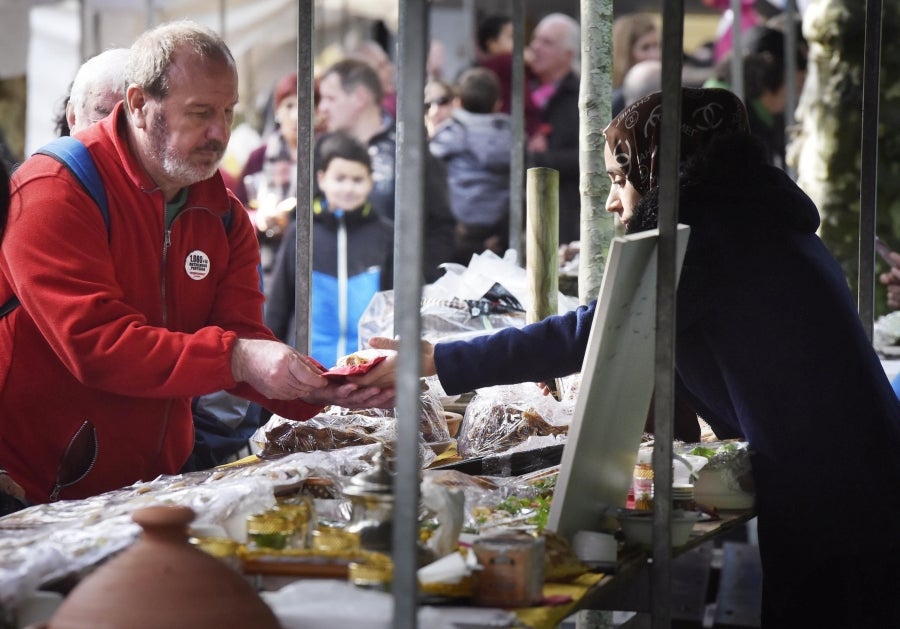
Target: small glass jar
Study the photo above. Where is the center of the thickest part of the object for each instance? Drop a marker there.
(269, 530)
(642, 485)
(512, 570)
(332, 539)
(300, 511)
(376, 572)
(222, 548)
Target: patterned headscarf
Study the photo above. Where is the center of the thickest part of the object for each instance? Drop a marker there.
(633, 135)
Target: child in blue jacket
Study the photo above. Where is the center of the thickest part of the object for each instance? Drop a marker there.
(352, 254)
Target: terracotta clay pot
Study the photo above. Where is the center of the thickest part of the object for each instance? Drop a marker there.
(163, 582)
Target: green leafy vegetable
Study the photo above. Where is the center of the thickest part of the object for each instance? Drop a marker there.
(701, 451)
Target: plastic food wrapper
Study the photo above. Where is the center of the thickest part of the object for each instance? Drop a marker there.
(432, 420)
(451, 568)
(729, 461)
(732, 455)
(447, 505)
(464, 302)
(52, 541)
(502, 417)
(886, 333)
(331, 432)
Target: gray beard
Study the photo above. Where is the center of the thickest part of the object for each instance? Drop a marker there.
(177, 169)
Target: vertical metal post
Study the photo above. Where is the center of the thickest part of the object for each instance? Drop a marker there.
(737, 50)
(790, 70)
(790, 60)
(517, 114)
(471, 30)
(223, 10)
(410, 197)
(868, 179)
(664, 392)
(305, 144)
(82, 30)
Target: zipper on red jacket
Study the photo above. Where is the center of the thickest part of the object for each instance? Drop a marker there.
(163, 431)
(63, 483)
(167, 242)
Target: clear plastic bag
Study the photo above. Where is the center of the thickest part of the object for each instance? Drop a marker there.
(466, 301)
(500, 418)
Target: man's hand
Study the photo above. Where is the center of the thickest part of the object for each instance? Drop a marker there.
(384, 374)
(349, 395)
(274, 369)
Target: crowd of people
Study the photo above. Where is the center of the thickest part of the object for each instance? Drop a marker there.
(149, 317)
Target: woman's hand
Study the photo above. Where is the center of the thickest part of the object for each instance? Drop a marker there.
(384, 374)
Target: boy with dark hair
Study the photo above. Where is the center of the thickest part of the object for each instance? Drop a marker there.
(352, 254)
(475, 145)
(495, 48)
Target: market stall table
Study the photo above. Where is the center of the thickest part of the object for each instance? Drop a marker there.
(627, 585)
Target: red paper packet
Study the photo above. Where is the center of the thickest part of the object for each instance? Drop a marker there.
(337, 374)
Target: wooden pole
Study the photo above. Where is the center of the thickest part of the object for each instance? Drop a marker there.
(542, 238)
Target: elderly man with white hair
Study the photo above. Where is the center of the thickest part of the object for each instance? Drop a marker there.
(99, 84)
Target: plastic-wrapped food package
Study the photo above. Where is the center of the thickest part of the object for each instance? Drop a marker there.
(442, 319)
(489, 294)
(432, 420)
(286, 436)
(726, 481)
(499, 418)
(330, 432)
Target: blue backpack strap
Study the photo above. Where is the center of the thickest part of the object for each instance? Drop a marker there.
(73, 154)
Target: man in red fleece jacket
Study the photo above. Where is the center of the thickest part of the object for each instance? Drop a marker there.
(120, 326)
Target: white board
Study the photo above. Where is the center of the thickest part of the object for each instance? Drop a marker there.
(616, 387)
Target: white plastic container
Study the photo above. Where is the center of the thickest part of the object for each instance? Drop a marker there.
(638, 529)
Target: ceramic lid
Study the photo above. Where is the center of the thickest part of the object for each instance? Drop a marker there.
(163, 581)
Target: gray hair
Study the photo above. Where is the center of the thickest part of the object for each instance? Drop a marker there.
(644, 78)
(151, 54)
(572, 39)
(103, 72)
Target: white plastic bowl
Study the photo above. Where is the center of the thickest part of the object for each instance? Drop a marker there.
(638, 529)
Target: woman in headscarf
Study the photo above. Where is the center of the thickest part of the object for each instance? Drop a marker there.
(768, 345)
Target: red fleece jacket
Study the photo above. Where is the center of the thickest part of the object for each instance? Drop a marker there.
(118, 329)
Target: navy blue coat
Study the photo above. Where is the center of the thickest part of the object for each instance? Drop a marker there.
(769, 345)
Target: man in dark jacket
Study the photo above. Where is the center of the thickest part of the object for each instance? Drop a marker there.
(554, 50)
(350, 100)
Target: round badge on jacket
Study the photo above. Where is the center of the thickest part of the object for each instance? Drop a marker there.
(196, 265)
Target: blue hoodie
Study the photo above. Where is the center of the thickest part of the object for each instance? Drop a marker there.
(352, 260)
